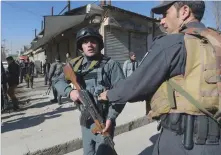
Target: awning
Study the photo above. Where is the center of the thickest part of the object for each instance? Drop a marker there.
(23, 57)
(54, 25)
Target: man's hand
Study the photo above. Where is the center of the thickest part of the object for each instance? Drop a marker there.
(103, 96)
(107, 128)
(74, 95)
(218, 116)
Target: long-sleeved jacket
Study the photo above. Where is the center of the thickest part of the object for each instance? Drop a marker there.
(46, 67)
(22, 66)
(166, 58)
(13, 74)
(128, 67)
(55, 70)
(111, 74)
(3, 78)
(30, 68)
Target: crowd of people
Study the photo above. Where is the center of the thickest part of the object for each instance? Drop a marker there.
(177, 78)
(10, 79)
(22, 70)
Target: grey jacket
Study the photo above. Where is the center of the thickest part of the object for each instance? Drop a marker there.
(128, 67)
(166, 59)
(55, 70)
(111, 73)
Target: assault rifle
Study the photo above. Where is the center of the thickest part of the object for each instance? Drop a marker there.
(89, 106)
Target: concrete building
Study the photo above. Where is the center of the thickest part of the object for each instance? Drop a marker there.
(122, 31)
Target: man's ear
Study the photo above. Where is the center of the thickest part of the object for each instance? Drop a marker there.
(185, 12)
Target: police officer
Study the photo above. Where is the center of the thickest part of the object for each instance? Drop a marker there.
(13, 80)
(55, 70)
(97, 73)
(177, 62)
(22, 70)
(46, 69)
(30, 69)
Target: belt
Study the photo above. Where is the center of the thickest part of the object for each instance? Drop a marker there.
(205, 130)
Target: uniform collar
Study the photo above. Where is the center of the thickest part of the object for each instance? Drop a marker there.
(193, 24)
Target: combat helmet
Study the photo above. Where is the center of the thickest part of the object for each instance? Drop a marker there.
(89, 32)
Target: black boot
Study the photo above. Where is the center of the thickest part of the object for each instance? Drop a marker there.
(54, 101)
(15, 105)
(59, 100)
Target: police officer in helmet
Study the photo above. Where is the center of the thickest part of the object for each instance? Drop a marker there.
(97, 73)
(176, 75)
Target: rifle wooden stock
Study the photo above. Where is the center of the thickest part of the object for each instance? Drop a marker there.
(88, 105)
(70, 75)
(99, 128)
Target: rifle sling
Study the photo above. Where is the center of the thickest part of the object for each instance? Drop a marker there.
(191, 99)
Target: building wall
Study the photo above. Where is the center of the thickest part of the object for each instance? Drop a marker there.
(116, 44)
(61, 45)
(124, 34)
(121, 32)
(138, 44)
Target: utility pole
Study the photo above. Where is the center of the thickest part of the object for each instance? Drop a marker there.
(52, 11)
(4, 43)
(69, 5)
(42, 25)
(4, 47)
(11, 47)
(35, 33)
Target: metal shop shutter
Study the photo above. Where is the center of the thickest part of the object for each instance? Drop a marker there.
(53, 52)
(63, 49)
(116, 44)
(72, 47)
(138, 44)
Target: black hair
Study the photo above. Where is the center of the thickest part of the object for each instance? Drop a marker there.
(9, 58)
(197, 7)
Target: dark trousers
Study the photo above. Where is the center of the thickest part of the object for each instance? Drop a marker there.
(4, 98)
(94, 144)
(170, 143)
(55, 93)
(46, 78)
(22, 74)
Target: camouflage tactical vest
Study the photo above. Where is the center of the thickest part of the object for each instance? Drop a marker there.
(197, 92)
(94, 80)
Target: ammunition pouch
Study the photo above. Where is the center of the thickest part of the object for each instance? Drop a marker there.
(205, 130)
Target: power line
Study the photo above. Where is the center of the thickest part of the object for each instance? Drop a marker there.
(23, 9)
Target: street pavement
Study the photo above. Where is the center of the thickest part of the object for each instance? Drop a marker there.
(43, 128)
(139, 141)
